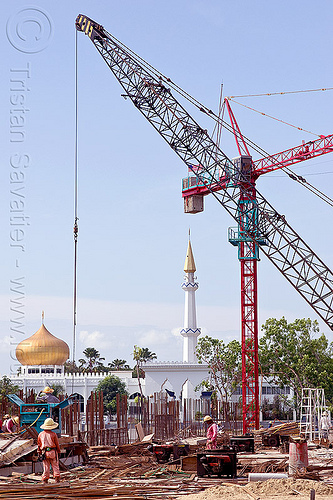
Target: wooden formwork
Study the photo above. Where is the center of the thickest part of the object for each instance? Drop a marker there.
(105, 437)
(95, 411)
(160, 414)
(70, 419)
(122, 411)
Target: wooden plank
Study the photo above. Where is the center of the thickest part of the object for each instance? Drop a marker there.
(9, 442)
(139, 430)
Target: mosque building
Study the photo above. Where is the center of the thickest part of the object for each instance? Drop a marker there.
(43, 355)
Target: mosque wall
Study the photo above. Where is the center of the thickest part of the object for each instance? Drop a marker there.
(180, 378)
(79, 383)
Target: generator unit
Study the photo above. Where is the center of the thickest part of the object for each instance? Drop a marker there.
(34, 414)
(220, 462)
(166, 452)
(274, 440)
(242, 443)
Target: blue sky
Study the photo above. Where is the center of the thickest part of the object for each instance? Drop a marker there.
(132, 229)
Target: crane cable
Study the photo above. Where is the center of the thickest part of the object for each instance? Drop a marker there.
(292, 175)
(281, 93)
(273, 118)
(76, 228)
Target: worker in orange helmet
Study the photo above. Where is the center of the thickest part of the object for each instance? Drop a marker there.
(48, 447)
(211, 433)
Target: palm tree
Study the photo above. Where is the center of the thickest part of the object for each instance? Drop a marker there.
(142, 355)
(92, 363)
(71, 367)
(58, 389)
(119, 364)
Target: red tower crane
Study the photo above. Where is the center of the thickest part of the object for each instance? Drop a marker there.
(232, 183)
(248, 248)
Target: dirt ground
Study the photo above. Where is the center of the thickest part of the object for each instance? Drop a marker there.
(272, 489)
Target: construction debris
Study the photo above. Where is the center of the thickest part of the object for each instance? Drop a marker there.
(131, 471)
(13, 449)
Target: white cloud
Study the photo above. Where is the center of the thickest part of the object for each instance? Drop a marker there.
(94, 339)
(176, 331)
(155, 336)
(6, 344)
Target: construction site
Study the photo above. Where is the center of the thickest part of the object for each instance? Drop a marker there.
(164, 443)
(166, 458)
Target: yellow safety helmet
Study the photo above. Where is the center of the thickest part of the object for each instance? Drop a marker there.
(49, 424)
(48, 390)
(207, 418)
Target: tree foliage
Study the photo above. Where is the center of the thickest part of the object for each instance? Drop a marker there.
(224, 362)
(58, 389)
(111, 386)
(119, 364)
(7, 387)
(141, 355)
(296, 354)
(93, 361)
(71, 367)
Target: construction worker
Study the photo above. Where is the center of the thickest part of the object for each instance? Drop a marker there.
(325, 425)
(211, 443)
(46, 395)
(4, 422)
(10, 424)
(48, 447)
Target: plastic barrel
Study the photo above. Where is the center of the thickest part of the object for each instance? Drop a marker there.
(298, 457)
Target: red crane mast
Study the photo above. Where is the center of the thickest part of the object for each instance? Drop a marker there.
(248, 248)
(232, 183)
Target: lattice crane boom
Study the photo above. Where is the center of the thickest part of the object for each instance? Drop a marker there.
(287, 158)
(232, 184)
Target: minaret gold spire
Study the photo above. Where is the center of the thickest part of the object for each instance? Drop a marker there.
(42, 317)
(189, 266)
(190, 332)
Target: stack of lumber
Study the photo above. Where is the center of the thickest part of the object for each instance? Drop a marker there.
(133, 449)
(82, 484)
(267, 466)
(15, 448)
(287, 429)
(269, 461)
(122, 466)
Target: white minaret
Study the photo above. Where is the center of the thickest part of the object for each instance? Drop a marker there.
(190, 332)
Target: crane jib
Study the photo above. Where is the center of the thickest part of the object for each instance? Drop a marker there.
(89, 27)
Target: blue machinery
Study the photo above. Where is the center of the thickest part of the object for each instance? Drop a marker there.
(34, 414)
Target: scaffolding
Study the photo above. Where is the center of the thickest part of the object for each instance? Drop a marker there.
(313, 407)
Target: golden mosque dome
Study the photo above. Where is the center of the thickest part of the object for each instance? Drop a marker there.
(42, 348)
